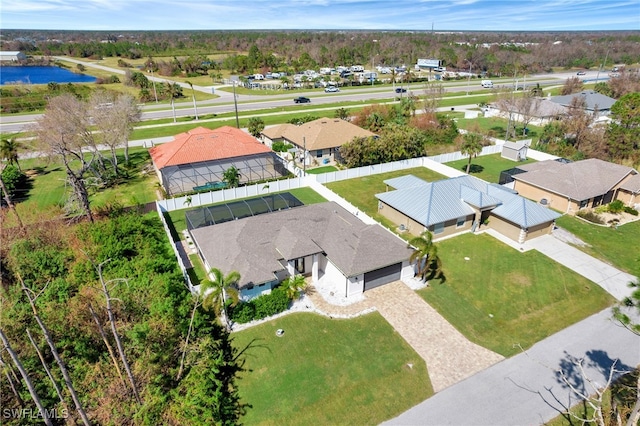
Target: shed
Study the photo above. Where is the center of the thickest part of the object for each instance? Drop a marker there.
(516, 151)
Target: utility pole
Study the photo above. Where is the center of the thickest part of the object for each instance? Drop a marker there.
(154, 86)
(304, 158)
(235, 103)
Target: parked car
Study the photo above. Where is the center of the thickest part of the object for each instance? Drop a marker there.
(301, 100)
(581, 73)
(331, 89)
(401, 90)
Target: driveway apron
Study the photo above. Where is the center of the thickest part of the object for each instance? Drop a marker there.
(450, 357)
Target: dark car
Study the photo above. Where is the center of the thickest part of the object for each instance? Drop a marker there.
(401, 90)
(301, 100)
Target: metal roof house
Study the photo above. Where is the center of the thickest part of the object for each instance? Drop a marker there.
(451, 206)
(196, 160)
(323, 241)
(569, 187)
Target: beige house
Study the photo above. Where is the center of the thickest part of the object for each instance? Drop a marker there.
(629, 192)
(452, 206)
(569, 187)
(317, 141)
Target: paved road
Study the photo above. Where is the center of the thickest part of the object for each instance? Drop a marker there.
(524, 390)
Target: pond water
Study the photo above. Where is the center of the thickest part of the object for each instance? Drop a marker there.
(41, 75)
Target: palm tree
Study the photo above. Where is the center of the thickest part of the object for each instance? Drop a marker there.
(216, 292)
(9, 151)
(471, 146)
(295, 285)
(193, 95)
(425, 256)
(231, 176)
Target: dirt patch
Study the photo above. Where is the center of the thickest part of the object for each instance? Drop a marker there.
(620, 218)
(519, 279)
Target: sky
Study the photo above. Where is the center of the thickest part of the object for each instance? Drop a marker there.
(441, 15)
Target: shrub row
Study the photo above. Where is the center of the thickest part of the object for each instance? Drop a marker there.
(260, 307)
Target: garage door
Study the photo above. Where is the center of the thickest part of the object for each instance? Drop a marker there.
(382, 276)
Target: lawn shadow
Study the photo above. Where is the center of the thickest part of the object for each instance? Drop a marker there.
(475, 168)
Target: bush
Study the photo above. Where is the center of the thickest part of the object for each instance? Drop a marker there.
(631, 210)
(590, 216)
(260, 307)
(281, 146)
(243, 312)
(616, 206)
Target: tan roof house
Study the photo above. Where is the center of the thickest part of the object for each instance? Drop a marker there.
(320, 139)
(629, 192)
(569, 187)
(196, 160)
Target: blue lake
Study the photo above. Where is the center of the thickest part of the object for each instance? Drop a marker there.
(41, 75)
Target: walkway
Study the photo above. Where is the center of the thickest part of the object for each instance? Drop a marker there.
(524, 390)
(450, 357)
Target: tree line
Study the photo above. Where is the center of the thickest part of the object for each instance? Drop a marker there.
(497, 53)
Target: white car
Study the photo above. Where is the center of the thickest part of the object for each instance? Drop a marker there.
(329, 89)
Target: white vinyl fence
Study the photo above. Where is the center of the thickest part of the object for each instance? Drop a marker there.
(176, 251)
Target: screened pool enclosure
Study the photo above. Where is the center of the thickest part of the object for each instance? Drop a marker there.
(206, 216)
(208, 175)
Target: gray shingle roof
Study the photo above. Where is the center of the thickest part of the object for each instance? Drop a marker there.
(450, 199)
(591, 99)
(632, 184)
(255, 245)
(580, 180)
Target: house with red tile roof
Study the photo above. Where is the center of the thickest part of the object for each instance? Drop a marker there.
(196, 160)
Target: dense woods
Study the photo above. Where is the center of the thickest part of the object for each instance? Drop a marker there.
(498, 53)
(117, 313)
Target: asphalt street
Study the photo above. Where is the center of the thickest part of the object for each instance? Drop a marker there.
(525, 389)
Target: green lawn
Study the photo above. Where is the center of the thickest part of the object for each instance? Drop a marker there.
(323, 169)
(177, 222)
(497, 127)
(323, 371)
(48, 190)
(487, 167)
(361, 191)
(197, 273)
(618, 247)
(529, 296)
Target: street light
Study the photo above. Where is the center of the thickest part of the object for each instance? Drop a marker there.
(154, 85)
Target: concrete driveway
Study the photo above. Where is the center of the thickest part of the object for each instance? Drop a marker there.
(612, 280)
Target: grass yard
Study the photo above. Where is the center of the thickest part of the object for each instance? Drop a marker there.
(48, 190)
(323, 169)
(487, 167)
(361, 191)
(329, 372)
(177, 222)
(497, 127)
(619, 247)
(529, 296)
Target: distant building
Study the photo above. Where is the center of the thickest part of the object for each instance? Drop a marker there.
(12, 56)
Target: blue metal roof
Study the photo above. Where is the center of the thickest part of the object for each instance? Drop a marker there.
(443, 200)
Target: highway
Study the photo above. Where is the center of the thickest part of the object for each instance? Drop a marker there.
(264, 103)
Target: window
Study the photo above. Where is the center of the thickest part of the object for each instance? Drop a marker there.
(319, 153)
(461, 221)
(438, 228)
(584, 203)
